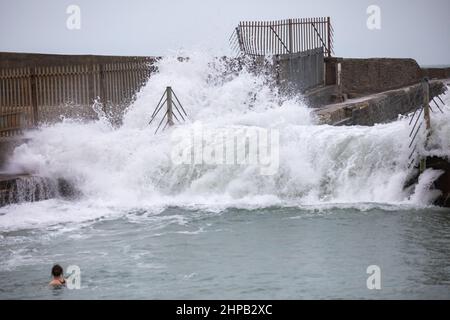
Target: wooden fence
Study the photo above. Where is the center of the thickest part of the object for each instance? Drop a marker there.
(36, 88)
(283, 36)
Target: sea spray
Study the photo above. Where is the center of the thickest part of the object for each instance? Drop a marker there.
(131, 167)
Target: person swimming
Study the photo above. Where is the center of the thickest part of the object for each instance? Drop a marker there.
(58, 280)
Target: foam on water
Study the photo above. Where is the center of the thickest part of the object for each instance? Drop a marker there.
(127, 168)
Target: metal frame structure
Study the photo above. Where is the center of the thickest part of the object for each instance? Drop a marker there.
(259, 38)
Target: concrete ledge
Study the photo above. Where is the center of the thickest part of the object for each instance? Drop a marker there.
(373, 75)
(378, 108)
(436, 73)
(19, 188)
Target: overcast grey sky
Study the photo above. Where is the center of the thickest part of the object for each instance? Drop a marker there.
(409, 28)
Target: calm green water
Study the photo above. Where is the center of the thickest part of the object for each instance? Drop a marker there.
(273, 253)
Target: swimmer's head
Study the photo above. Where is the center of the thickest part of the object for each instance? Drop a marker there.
(57, 271)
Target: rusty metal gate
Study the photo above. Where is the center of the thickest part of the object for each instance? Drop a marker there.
(288, 36)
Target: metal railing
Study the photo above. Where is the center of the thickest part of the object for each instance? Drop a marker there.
(418, 121)
(11, 123)
(45, 88)
(283, 36)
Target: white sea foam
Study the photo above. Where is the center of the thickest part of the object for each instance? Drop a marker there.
(120, 169)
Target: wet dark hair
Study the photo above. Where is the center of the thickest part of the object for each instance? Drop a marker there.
(57, 270)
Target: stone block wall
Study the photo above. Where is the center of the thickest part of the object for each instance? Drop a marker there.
(366, 76)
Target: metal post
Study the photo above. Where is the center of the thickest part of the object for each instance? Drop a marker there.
(329, 36)
(102, 86)
(339, 82)
(240, 41)
(290, 36)
(169, 106)
(34, 104)
(426, 115)
(426, 105)
(91, 82)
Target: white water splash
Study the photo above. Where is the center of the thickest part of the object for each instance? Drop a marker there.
(120, 169)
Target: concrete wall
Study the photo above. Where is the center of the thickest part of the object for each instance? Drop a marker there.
(366, 76)
(379, 108)
(22, 60)
(436, 73)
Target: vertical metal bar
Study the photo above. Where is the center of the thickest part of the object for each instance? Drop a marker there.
(114, 83)
(262, 39)
(307, 34)
(263, 49)
(102, 86)
(8, 89)
(91, 80)
(120, 83)
(42, 86)
(129, 82)
(254, 38)
(113, 77)
(169, 106)
(18, 85)
(79, 85)
(269, 38)
(266, 38)
(275, 39)
(257, 47)
(106, 75)
(426, 106)
(253, 30)
(2, 90)
(15, 95)
(19, 96)
(250, 37)
(246, 37)
(33, 97)
(329, 36)
(322, 33)
(279, 33)
(304, 35)
(300, 35)
(317, 34)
